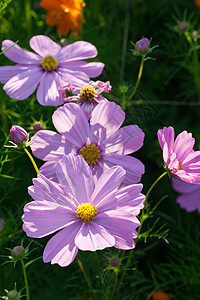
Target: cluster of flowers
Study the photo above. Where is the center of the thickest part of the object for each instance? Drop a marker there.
(88, 188)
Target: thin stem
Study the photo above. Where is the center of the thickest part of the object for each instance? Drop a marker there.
(138, 80)
(115, 285)
(25, 280)
(155, 182)
(32, 160)
(98, 266)
(27, 8)
(85, 276)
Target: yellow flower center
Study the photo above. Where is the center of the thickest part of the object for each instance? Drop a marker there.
(88, 93)
(179, 166)
(90, 153)
(86, 212)
(49, 63)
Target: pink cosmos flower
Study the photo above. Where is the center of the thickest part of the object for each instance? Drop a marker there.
(102, 142)
(88, 95)
(50, 67)
(179, 157)
(190, 195)
(90, 216)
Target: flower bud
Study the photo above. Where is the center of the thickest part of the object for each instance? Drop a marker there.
(18, 252)
(37, 126)
(1, 225)
(182, 26)
(114, 261)
(13, 294)
(18, 135)
(143, 45)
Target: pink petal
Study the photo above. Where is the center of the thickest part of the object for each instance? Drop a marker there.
(93, 237)
(183, 145)
(7, 72)
(18, 55)
(44, 46)
(190, 202)
(22, 85)
(133, 167)
(77, 51)
(48, 169)
(126, 140)
(61, 248)
(109, 181)
(166, 135)
(42, 218)
(121, 225)
(184, 187)
(92, 69)
(71, 121)
(75, 176)
(77, 78)
(48, 145)
(108, 115)
(47, 190)
(47, 93)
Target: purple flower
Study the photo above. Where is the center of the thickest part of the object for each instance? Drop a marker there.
(179, 157)
(50, 67)
(143, 45)
(190, 195)
(87, 95)
(102, 143)
(90, 215)
(18, 135)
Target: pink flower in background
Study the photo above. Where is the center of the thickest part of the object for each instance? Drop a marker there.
(102, 142)
(190, 195)
(87, 95)
(50, 67)
(90, 216)
(179, 157)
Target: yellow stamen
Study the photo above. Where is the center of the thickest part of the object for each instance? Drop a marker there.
(179, 166)
(49, 63)
(86, 212)
(90, 153)
(88, 93)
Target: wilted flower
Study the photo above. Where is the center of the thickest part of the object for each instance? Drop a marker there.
(190, 195)
(161, 296)
(65, 14)
(50, 68)
(87, 95)
(91, 215)
(102, 142)
(143, 45)
(179, 157)
(18, 135)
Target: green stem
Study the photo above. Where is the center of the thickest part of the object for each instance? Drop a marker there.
(27, 8)
(32, 160)
(155, 182)
(85, 276)
(138, 80)
(98, 266)
(25, 280)
(115, 285)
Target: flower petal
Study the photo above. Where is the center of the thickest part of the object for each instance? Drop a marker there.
(43, 218)
(109, 181)
(133, 166)
(47, 93)
(44, 46)
(22, 85)
(77, 51)
(107, 115)
(190, 202)
(166, 135)
(92, 69)
(18, 55)
(71, 121)
(48, 145)
(93, 237)
(77, 78)
(75, 176)
(184, 187)
(48, 169)
(61, 248)
(126, 140)
(183, 145)
(7, 72)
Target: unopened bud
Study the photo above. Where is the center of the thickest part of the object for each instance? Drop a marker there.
(114, 261)
(182, 26)
(18, 252)
(37, 126)
(18, 135)
(143, 45)
(13, 294)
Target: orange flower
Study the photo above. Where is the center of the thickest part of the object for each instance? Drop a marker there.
(161, 296)
(66, 14)
(197, 2)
